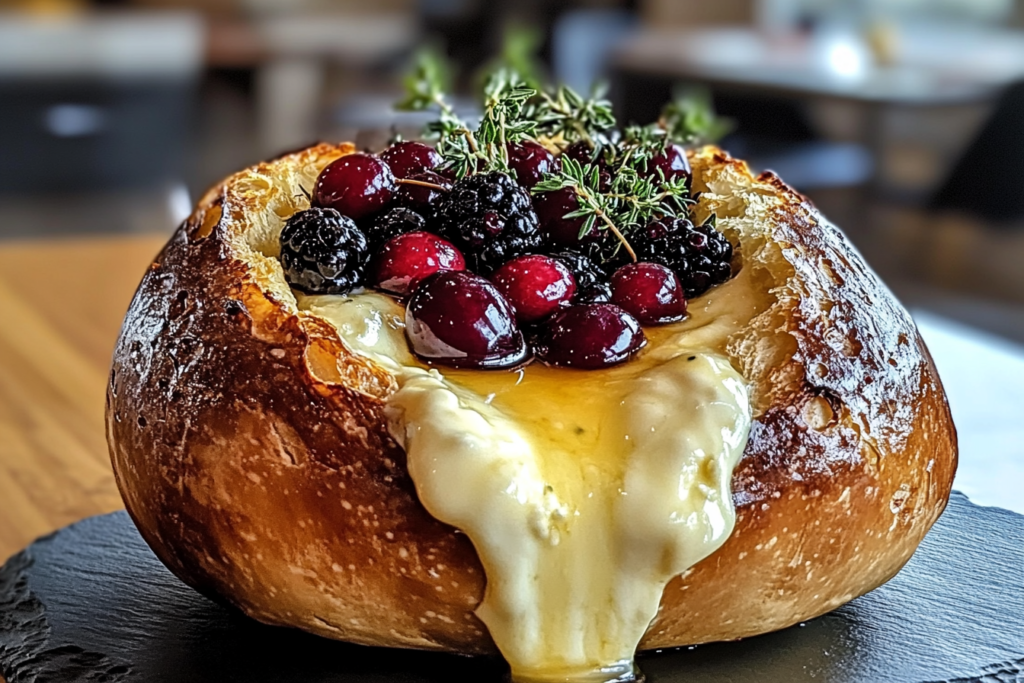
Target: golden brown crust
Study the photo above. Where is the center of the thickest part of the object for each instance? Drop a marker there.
(251, 451)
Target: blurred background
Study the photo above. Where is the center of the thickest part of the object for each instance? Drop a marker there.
(902, 119)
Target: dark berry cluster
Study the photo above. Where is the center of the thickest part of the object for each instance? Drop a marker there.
(493, 274)
(701, 256)
(491, 218)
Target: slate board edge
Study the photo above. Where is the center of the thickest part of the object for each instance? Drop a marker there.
(25, 632)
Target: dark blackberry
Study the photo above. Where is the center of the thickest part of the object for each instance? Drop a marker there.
(700, 256)
(491, 219)
(323, 252)
(392, 223)
(591, 279)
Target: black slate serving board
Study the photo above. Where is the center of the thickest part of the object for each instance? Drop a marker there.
(92, 603)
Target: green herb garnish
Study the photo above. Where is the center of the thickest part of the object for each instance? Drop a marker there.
(690, 118)
(568, 115)
(616, 192)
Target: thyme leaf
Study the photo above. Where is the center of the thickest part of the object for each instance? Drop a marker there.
(566, 114)
(690, 118)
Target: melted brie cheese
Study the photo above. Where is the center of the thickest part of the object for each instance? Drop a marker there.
(583, 492)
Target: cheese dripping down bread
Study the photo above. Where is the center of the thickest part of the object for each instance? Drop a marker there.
(257, 440)
(583, 493)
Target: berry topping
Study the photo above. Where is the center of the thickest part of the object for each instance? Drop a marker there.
(407, 259)
(591, 280)
(356, 185)
(323, 252)
(582, 153)
(672, 163)
(392, 223)
(551, 208)
(531, 160)
(536, 286)
(461, 319)
(490, 218)
(650, 292)
(700, 256)
(409, 158)
(422, 197)
(589, 337)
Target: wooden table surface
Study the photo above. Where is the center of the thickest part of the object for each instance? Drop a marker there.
(61, 305)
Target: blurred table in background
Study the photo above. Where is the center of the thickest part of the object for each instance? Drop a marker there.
(929, 66)
(919, 67)
(292, 55)
(62, 303)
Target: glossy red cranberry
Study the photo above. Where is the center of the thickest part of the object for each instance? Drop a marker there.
(355, 185)
(551, 208)
(461, 319)
(535, 285)
(404, 261)
(650, 292)
(590, 337)
(531, 160)
(581, 152)
(408, 158)
(419, 197)
(672, 163)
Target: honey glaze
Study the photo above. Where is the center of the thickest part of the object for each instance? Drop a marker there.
(583, 492)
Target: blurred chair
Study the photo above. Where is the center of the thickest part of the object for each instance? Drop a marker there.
(988, 181)
(96, 102)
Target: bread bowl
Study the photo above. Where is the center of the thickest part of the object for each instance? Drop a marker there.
(251, 441)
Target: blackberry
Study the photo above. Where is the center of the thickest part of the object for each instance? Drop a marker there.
(491, 219)
(323, 252)
(392, 223)
(591, 279)
(701, 256)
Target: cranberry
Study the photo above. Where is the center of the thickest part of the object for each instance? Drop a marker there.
(536, 286)
(590, 336)
(582, 153)
(405, 260)
(649, 291)
(419, 197)
(672, 163)
(551, 208)
(531, 160)
(461, 319)
(356, 185)
(408, 158)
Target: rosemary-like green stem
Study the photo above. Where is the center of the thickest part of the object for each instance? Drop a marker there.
(599, 212)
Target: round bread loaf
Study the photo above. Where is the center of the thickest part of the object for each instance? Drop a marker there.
(250, 444)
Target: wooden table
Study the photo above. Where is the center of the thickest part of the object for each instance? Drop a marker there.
(61, 305)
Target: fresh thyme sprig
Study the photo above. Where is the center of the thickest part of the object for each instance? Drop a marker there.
(504, 120)
(617, 192)
(567, 114)
(632, 200)
(427, 83)
(690, 118)
(595, 206)
(425, 89)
